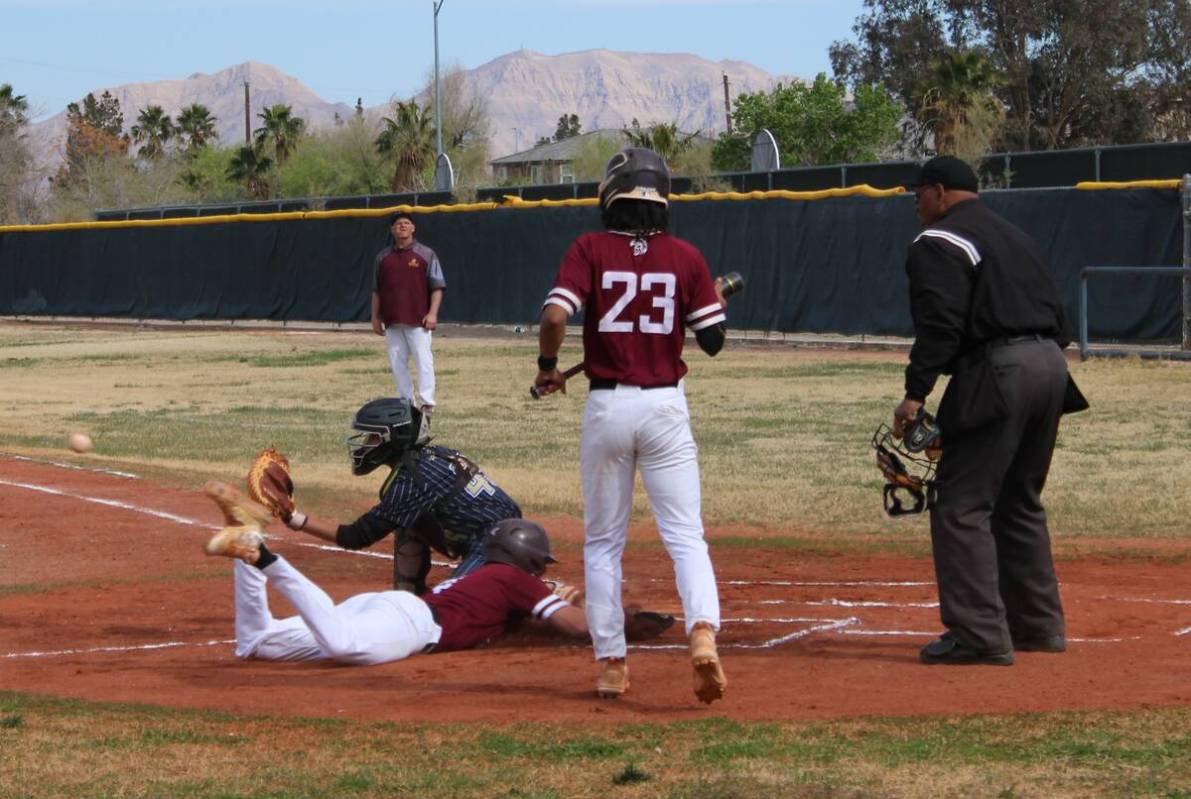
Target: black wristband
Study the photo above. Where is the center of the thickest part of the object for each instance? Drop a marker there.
(547, 364)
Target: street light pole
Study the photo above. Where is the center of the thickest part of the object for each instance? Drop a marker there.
(437, 101)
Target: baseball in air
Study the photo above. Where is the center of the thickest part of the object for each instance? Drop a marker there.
(81, 442)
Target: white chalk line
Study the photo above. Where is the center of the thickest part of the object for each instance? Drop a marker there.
(866, 603)
(173, 517)
(101, 649)
(1184, 631)
(826, 583)
(1150, 601)
(74, 466)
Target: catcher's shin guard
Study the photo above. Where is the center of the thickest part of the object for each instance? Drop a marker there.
(710, 681)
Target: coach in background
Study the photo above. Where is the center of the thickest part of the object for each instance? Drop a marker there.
(987, 311)
(406, 296)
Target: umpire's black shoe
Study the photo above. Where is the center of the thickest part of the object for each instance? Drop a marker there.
(947, 650)
(1046, 643)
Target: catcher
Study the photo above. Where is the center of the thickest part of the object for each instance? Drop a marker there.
(435, 498)
(381, 627)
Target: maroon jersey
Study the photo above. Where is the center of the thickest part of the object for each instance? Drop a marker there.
(404, 280)
(639, 292)
(477, 607)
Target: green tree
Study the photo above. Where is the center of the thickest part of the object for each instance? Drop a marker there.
(94, 132)
(1167, 72)
(280, 129)
(664, 138)
(568, 126)
(812, 124)
(407, 143)
(957, 105)
(1063, 65)
(340, 161)
(17, 200)
(251, 168)
(153, 129)
(196, 127)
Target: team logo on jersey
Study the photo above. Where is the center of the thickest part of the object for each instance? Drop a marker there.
(413, 263)
(640, 246)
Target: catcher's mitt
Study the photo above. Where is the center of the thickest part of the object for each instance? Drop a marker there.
(269, 483)
(642, 625)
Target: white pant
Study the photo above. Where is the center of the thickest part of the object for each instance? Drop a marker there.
(401, 342)
(364, 630)
(624, 429)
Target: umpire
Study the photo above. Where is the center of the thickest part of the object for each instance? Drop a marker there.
(987, 311)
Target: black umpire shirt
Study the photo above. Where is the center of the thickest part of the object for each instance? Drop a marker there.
(975, 278)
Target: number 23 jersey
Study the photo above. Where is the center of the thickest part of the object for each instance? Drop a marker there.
(638, 294)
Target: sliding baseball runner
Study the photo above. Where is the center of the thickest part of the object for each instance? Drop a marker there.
(640, 288)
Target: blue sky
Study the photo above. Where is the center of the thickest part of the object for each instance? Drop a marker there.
(55, 51)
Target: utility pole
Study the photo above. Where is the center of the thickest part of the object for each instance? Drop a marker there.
(437, 102)
(247, 116)
(1186, 262)
(727, 104)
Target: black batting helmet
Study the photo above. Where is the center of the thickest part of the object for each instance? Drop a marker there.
(383, 430)
(635, 173)
(519, 543)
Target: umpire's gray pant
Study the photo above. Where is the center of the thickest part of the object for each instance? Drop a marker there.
(988, 528)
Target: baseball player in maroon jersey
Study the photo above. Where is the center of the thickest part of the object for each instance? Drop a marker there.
(640, 289)
(380, 627)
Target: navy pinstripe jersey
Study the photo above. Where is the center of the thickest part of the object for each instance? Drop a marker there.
(453, 489)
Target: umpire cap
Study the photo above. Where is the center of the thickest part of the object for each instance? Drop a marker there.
(951, 172)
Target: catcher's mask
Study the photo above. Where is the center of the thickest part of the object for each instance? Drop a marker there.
(519, 543)
(909, 464)
(384, 431)
(635, 173)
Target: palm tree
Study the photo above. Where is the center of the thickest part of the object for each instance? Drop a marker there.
(152, 130)
(281, 128)
(197, 126)
(664, 139)
(957, 96)
(408, 141)
(251, 168)
(14, 109)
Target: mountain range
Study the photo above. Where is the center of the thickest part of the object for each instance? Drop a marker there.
(525, 92)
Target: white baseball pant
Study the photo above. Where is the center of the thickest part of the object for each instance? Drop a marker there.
(401, 341)
(363, 630)
(626, 429)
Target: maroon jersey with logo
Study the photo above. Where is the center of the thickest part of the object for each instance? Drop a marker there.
(404, 279)
(638, 293)
(478, 606)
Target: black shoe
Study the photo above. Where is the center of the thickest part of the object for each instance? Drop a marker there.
(947, 650)
(1047, 643)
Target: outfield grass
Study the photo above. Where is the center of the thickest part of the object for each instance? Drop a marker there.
(783, 433)
(55, 747)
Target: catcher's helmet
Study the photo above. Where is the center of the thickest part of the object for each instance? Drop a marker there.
(384, 430)
(635, 173)
(519, 543)
(909, 464)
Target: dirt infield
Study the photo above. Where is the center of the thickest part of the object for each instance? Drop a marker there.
(105, 595)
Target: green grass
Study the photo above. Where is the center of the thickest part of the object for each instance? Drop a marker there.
(68, 747)
(783, 433)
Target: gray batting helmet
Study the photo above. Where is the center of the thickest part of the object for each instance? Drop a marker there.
(519, 543)
(635, 173)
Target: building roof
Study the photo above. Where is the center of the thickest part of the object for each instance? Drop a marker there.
(564, 150)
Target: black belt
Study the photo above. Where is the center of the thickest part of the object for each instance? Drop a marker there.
(1005, 341)
(604, 384)
(434, 615)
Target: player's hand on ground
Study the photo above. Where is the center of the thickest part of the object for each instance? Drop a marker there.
(549, 382)
(570, 593)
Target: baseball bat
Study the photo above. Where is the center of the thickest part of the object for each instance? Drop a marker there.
(733, 284)
(568, 374)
